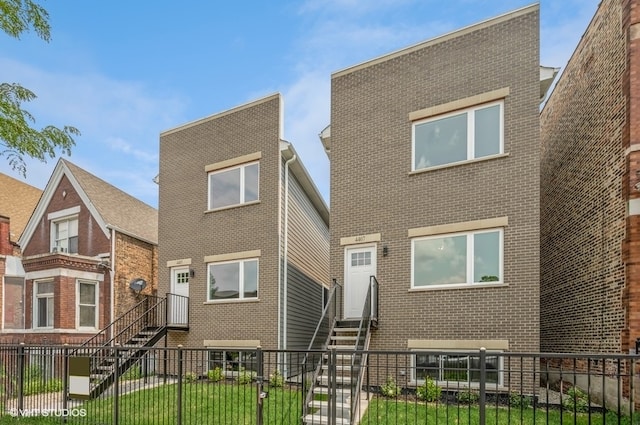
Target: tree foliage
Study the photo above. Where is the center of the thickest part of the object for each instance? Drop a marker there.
(18, 136)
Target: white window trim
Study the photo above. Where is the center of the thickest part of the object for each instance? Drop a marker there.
(34, 303)
(242, 168)
(413, 380)
(470, 136)
(97, 305)
(241, 297)
(52, 229)
(469, 265)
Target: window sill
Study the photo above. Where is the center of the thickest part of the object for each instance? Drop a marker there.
(229, 207)
(235, 301)
(458, 286)
(455, 164)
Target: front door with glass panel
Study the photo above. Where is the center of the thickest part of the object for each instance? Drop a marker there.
(360, 265)
(178, 310)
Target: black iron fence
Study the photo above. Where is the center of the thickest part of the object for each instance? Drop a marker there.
(256, 386)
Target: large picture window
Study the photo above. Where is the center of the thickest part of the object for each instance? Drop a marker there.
(233, 280)
(458, 136)
(43, 304)
(65, 235)
(459, 258)
(234, 186)
(87, 304)
(452, 367)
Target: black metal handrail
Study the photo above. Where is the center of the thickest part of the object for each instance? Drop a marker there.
(325, 324)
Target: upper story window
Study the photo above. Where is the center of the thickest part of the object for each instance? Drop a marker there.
(458, 136)
(233, 280)
(234, 186)
(87, 300)
(65, 235)
(457, 259)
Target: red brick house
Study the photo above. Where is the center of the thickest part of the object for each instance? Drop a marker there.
(84, 244)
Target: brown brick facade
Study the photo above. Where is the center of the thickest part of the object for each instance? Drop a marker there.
(590, 249)
(374, 192)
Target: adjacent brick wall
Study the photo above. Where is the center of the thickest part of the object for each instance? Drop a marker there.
(187, 231)
(582, 195)
(372, 190)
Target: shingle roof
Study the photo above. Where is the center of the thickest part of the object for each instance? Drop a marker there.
(17, 201)
(118, 209)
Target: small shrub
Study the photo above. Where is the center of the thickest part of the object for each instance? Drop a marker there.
(429, 391)
(577, 400)
(215, 375)
(190, 377)
(468, 396)
(390, 389)
(520, 401)
(276, 380)
(244, 377)
(133, 373)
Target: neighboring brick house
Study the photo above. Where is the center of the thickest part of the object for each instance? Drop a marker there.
(590, 197)
(434, 154)
(84, 243)
(243, 233)
(17, 202)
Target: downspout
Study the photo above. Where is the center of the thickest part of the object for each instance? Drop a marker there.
(112, 271)
(285, 248)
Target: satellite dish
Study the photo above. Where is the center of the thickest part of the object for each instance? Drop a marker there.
(138, 284)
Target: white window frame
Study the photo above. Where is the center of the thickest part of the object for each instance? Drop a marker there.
(96, 304)
(470, 112)
(467, 383)
(47, 295)
(469, 259)
(242, 168)
(55, 245)
(241, 296)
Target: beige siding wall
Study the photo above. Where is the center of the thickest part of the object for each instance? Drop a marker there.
(188, 231)
(373, 191)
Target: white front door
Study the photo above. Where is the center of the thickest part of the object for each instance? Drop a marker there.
(360, 265)
(178, 306)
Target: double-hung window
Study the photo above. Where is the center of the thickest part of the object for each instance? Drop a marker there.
(458, 136)
(456, 368)
(234, 186)
(43, 301)
(65, 235)
(87, 304)
(233, 280)
(457, 259)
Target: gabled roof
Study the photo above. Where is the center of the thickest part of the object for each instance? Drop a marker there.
(111, 207)
(17, 201)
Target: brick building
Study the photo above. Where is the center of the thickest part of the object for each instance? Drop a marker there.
(84, 243)
(434, 154)
(590, 191)
(243, 233)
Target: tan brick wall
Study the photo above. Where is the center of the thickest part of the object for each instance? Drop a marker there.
(187, 231)
(372, 190)
(134, 259)
(582, 196)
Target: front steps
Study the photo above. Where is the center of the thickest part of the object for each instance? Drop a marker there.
(344, 337)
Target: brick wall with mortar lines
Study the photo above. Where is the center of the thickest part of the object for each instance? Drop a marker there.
(187, 231)
(134, 259)
(372, 191)
(582, 203)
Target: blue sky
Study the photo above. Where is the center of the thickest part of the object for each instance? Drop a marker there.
(124, 71)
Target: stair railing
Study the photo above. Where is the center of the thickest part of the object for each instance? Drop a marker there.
(323, 332)
(369, 315)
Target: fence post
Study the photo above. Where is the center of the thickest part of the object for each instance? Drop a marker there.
(21, 367)
(332, 387)
(260, 388)
(180, 354)
(483, 386)
(116, 384)
(65, 378)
